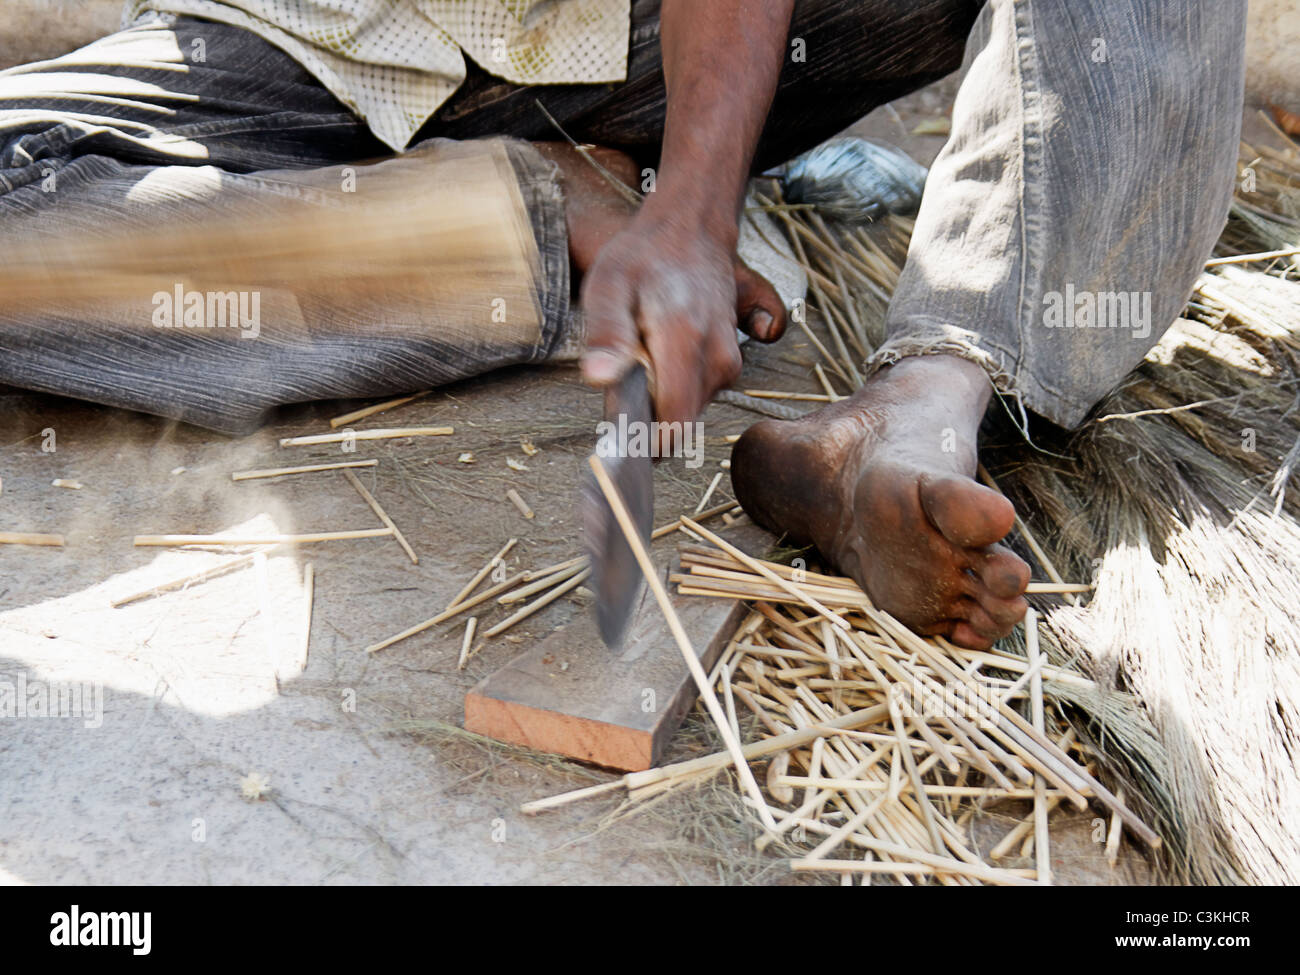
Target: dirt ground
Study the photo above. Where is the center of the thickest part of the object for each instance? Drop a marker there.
(369, 780)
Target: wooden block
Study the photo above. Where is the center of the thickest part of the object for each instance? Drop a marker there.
(616, 710)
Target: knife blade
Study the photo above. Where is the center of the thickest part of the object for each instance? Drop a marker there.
(615, 575)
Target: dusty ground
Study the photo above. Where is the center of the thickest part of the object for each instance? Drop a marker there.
(369, 782)
(366, 784)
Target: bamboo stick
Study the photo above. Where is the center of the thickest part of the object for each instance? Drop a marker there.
(305, 469)
(615, 500)
(1036, 658)
(470, 625)
(539, 603)
(387, 434)
(453, 610)
(369, 499)
(366, 411)
(544, 582)
(520, 503)
(708, 493)
(763, 570)
(780, 394)
(1114, 834)
(184, 581)
(308, 598)
(306, 539)
(30, 538)
(482, 573)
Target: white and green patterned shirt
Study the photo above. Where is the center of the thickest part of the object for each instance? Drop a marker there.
(394, 62)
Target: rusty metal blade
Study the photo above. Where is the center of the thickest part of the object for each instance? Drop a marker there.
(615, 575)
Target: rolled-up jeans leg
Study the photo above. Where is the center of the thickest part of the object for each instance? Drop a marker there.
(1086, 180)
(307, 343)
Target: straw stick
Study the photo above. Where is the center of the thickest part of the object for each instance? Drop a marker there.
(307, 539)
(543, 582)
(481, 574)
(1043, 858)
(519, 503)
(564, 798)
(1114, 833)
(1249, 258)
(709, 493)
(743, 770)
(537, 604)
(990, 874)
(184, 581)
(369, 499)
(676, 523)
(389, 434)
(767, 573)
(453, 610)
(833, 396)
(780, 394)
(308, 597)
(470, 626)
(364, 412)
(306, 469)
(30, 538)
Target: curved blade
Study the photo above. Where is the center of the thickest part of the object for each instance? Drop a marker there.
(624, 448)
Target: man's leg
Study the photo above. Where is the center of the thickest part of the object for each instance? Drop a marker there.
(191, 122)
(1062, 229)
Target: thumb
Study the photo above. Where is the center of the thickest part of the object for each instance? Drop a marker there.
(612, 339)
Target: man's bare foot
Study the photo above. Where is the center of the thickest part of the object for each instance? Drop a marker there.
(882, 484)
(595, 212)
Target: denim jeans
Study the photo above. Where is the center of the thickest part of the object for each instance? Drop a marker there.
(1091, 160)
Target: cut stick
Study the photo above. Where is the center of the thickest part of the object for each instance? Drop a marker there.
(1249, 258)
(535, 806)
(389, 434)
(781, 394)
(979, 871)
(470, 626)
(64, 482)
(767, 573)
(708, 493)
(813, 783)
(308, 597)
(543, 582)
(539, 603)
(369, 499)
(30, 538)
(366, 411)
(1114, 833)
(757, 749)
(446, 614)
(550, 570)
(1043, 859)
(520, 503)
(184, 581)
(676, 523)
(307, 539)
(481, 574)
(743, 771)
(305, 469)
(826, 383)
(992, 876)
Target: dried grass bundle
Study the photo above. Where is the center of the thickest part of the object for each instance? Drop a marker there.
(1175, 500)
